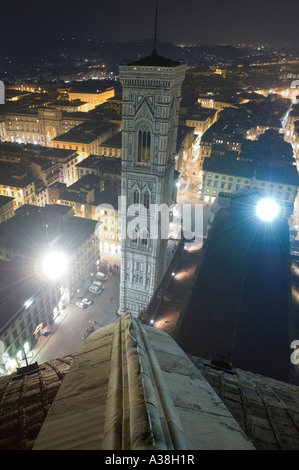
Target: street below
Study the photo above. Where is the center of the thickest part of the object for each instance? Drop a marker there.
(70, 326)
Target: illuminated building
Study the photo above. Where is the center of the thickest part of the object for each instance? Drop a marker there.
(27, 305)
(112, 146)
(3, 136)
(21, 189)
(67, 160)
(206, 102)
(46, 171)
(223, 174)
(40, 195)
(92, 99)
(255, 132)
(201, 120)
(186, 143)
(75, 106)
(30, 300)
(108, 169)
(88, 198)
(31, 87)
(37, 127)
(222, 134)
(6, 208)
(115, 103)
(105, 210)
(86, 138)
(151, 91)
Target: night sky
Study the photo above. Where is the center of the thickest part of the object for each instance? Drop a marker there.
(189, 21)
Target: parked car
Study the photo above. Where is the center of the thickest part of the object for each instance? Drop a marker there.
(101, 276)
(95, 289)
(98, 284)
(81, 305)
(103, 266)
(87, 301)
(47, 330)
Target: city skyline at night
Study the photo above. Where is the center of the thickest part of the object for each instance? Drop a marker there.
(188, 23)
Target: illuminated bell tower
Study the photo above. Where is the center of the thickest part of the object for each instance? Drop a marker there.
(151, 92)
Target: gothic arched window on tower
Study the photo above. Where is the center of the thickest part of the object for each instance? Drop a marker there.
(146, 200)
(144, 237)
(144, 145)
(136, 196)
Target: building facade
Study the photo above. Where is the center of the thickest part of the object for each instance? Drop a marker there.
(86, 138)
(37, 127)
(280, 182)
(90, 99)
(29, 300)
(6, 208)
(151, 99)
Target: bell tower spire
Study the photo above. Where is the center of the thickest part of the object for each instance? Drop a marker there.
(151, 93)
(155, 34)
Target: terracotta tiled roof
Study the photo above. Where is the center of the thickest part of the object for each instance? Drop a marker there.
(131, 387)
(25, 399)
(266, 409)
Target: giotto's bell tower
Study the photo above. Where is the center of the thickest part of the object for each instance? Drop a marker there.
(151, 92)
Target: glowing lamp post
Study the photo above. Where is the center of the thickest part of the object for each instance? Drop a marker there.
(267, 209)
(54, 265)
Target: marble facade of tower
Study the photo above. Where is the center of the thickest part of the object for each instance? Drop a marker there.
(151, 92)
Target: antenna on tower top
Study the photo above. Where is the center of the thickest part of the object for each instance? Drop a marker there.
(155, 35)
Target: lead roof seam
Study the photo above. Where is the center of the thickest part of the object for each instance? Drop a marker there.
(4, 395)
(268, 410)
(283, 404)
(179, 440)
(244, 408)
(155, 420)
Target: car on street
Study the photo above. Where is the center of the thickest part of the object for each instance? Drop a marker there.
(81, 304)
(101, 276)
(98, 284)
(47, 330)
(87, 301)
(95, 289)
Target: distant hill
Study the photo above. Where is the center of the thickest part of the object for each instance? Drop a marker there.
(77, 48)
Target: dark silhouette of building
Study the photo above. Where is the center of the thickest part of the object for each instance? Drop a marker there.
(238, 310)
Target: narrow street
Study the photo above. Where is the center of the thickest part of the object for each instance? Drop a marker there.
(71, 324)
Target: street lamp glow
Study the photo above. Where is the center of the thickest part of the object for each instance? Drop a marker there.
(28, 303)
(267, 209)
(54, 264)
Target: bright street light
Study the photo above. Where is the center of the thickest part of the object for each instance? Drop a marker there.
(54, 264)
(267, 209)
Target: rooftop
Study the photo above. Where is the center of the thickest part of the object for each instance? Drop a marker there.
(231, 163)
(104, 164)
(228, 166)
(5, 200)
(113, 141)
(86, 132)
(131, 387)
(51, 152)
(155, 60)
